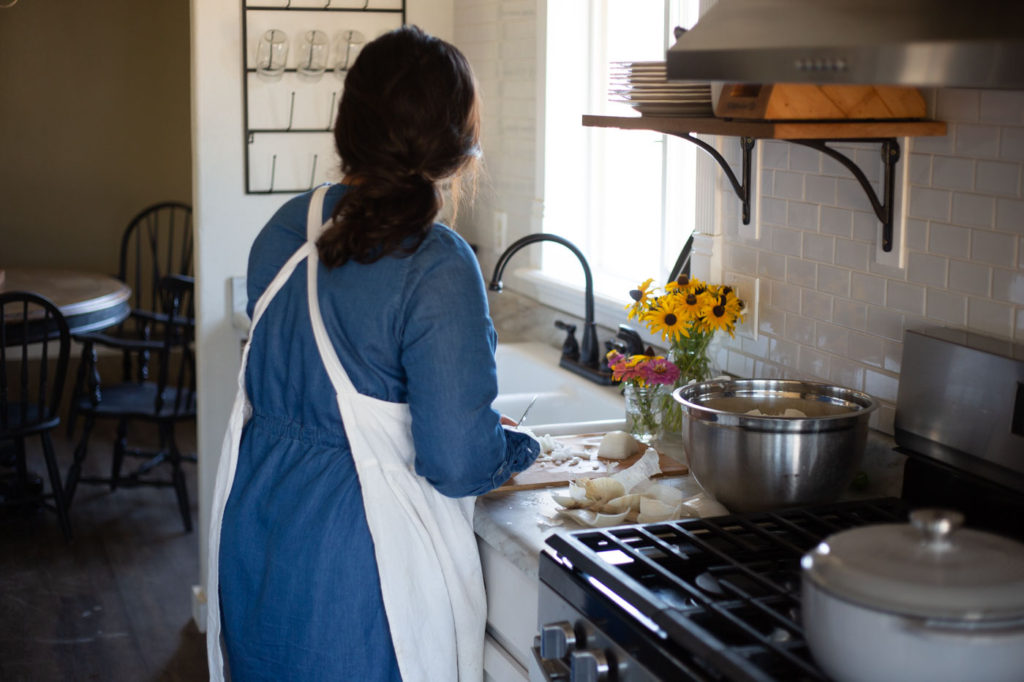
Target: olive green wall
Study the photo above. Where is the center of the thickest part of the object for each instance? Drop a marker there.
(94, 125)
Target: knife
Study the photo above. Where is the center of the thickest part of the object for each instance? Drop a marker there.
(526, 411)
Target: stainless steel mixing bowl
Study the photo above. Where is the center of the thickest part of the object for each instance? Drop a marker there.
(756, 462)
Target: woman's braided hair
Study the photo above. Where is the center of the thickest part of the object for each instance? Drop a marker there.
(408, 120)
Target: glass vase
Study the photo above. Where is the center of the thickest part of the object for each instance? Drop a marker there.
(644, 406)
(690, 355)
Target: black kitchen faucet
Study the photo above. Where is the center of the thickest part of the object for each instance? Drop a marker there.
(581, 359)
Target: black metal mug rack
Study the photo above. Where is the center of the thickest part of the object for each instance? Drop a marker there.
(362, 15)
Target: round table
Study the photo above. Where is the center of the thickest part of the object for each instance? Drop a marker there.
(89, 301)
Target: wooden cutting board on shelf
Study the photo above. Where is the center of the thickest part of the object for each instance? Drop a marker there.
(547, 474)
(805, 101)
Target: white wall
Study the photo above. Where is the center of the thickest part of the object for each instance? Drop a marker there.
(227, 220)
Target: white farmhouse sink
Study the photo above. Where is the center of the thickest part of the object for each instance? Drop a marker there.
(566, 402)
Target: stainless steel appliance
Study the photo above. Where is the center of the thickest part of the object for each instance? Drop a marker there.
(719, 598)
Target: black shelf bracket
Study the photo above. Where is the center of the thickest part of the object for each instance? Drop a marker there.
(742, 189)
(883, 206)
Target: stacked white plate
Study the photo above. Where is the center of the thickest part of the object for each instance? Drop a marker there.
(643, 86)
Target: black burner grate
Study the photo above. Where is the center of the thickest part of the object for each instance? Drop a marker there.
(726, 589)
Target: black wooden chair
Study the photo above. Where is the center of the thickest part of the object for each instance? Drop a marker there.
(164, 400)
(157, 243)
(31, 384)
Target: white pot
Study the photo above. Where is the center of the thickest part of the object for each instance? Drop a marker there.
(916, 602)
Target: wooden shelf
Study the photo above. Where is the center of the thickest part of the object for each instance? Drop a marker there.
(771, 130)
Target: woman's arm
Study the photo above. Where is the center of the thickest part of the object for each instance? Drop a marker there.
(448, 355)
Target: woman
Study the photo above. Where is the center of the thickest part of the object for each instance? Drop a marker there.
(342, 524)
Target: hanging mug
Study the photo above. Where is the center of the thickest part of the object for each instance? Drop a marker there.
(272, 54)
(313, 54)
(348, 44)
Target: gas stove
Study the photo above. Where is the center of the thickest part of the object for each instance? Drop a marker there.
(696, 599)
(719, 598)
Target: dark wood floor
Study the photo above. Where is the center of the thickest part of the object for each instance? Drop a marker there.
(115, 604)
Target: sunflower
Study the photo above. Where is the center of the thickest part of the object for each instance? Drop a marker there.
(666, 321)
(641, 299)
(716, 316)
(690, 305)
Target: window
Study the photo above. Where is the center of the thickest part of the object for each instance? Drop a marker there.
(626, 198)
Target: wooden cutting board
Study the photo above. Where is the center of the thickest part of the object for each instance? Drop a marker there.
(802, 101)
(545, 474)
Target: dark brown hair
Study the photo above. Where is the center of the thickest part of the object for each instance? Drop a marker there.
(408, 120)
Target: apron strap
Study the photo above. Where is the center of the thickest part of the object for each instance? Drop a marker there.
(315, 225)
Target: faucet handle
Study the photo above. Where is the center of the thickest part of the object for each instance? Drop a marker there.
(570, 348)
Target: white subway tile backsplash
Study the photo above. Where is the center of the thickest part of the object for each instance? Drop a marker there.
(892, 354)
(784, 240)
(916, 235)
(995, 248)
(836, 221)
(990, 317)
(998, 177)
(1011, 146)
(865, 226)
(865, 348)
(804, 216)
(742, 259)
(885, 323)
(788, 185)
(775, 153)
(801, 273)
(850, 314)
(767, 181)
(831, 338)
(1018, 328)
(923, 268)
(799, 330)
(804, 159)
(945, 306)
(883, 419)
(815, 305)
(771, 265)
(973, 209)
(849, 194)
(1008, 285)
(770, 319)
(813, 364)
(957, 105)
(905, 297)
(843, 372)
(938, 144)
(833, 281)
(867, 288)
(928, 203)
(948, 240)
(740, 365)
(920, 169)
(783, 352)
(980, 141)
(819, 247)
(880, 385)
(820, 189)
(786, 297)
(773, 211)
(1010, 216)
(851, 254)
(952, 172)
(1002, 106)
(969, 277)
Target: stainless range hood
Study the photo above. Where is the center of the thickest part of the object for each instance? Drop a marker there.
(951, 43)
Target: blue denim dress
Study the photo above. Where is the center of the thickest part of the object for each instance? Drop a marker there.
(299, 589)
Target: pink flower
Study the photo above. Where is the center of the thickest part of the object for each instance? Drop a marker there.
(659, 371)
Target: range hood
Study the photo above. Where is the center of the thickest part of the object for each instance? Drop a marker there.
(926, 43)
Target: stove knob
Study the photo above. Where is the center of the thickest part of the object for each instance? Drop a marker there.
(588, 666)
(556, 640)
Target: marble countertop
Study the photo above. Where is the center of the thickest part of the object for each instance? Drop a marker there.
(516, 523)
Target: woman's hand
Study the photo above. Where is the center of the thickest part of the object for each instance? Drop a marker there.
(506, 421)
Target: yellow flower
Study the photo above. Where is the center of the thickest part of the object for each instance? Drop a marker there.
(641, 299)
(717, 316)
(690, 306)
(667, 322)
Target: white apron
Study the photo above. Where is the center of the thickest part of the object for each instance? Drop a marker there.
(424, 543)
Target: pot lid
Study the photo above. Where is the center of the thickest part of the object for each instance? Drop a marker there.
(929, 568)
